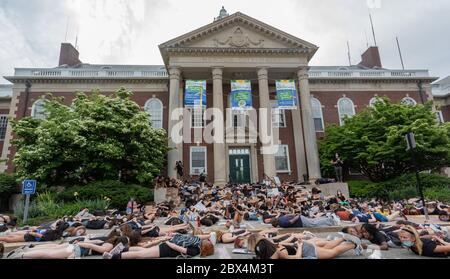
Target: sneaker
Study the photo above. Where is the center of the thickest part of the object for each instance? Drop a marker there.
(336, 219)
(213, 238)
(107, 256)
(117, 250)
(358, 250)
(309, 235)
(351, 238)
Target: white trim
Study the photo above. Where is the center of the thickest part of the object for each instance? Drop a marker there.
(191, 111)
(339, 109)
(147, 110)
(288, 159)
(440, 116)
(205, 149)
(407, 99)
(33, 107)
(321, 113)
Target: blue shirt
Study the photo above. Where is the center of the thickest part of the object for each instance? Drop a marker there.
(284, 222)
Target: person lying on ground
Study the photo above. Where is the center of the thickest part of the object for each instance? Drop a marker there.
(434, 247)
(39, 235)
(178, 245)
(299, 221)
(311, 249)
(68, 251)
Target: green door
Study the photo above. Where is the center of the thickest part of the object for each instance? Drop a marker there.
(240, 169)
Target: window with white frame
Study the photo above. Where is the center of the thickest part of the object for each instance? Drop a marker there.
(282, 162)
(198, 160)
(3, 126)
(409, 101)
(197, 117)
(38, 109)
(440, 117)
(346, 108)
(317, 114)
(375, 100)
(278, 116)
(239, 118)
(154, 108)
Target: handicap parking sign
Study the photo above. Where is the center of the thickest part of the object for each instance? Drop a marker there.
(29, 187)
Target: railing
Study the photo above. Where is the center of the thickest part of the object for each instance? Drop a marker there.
(367, 73)
(87, 73)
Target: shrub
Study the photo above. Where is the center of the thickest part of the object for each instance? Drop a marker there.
(45, 207)
(435, 187)
(8, 185)
(117, 192)
(365, 189)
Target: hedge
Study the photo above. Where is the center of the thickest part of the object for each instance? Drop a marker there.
(436, 187)
(117, 192)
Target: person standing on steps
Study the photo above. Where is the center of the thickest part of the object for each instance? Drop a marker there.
(338, 163)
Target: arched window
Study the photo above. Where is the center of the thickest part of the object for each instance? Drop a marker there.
(154, 108)
(409, 101)
(345, 108)
(38, 110)
(374, 100)
(317, 114)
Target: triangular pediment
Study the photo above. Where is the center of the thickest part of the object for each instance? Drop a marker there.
(238, 32)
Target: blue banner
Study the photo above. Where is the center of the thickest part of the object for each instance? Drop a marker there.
(241, 95)
(195, 93)
(286, 94)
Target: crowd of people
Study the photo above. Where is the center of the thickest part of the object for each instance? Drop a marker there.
(205, 215)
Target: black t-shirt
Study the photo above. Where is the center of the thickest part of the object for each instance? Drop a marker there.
(166, 252)
(337, 162)
(428, 249)
(96, 224)
(379, 238)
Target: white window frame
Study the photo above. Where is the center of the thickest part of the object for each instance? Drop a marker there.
(407, 99)
(341, 116)
(33, 109)
(286, 147)
(200, 170)
(4, 120)
(147, 110)
(194, 124)
(440, 117)
(321, 114)
(374, 100)
(278, 112)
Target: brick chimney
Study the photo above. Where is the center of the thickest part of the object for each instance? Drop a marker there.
(371, 58)
(69, 55)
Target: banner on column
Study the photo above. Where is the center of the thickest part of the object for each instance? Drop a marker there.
(286, 94)
(195, 93)
(241, 95)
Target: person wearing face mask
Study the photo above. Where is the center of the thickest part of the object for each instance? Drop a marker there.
(434, 247)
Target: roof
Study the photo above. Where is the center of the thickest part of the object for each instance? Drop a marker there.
(441, 88)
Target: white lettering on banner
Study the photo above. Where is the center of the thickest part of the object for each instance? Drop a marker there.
(215, 132)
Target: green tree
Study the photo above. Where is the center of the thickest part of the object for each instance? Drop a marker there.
(373, 141)
(100, 137)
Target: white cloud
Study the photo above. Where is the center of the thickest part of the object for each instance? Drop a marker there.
(129, 31)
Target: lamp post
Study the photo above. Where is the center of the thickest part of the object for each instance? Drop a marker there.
(411, 143)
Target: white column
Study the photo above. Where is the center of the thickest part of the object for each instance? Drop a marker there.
(312, 153)
(174, 154)
(300, 154)
(220, 176)
(264, 102)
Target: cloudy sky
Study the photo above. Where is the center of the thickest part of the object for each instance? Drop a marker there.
(129, 31)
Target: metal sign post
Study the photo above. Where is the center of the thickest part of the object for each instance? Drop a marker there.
(28, 189)
(411, 143)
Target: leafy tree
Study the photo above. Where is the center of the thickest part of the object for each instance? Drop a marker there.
(100, 137)
(373, 141)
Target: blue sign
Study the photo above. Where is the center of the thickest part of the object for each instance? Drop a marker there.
(195, 93)
(29, 187)
(241, 95)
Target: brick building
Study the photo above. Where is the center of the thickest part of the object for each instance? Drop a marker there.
(232, 47)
